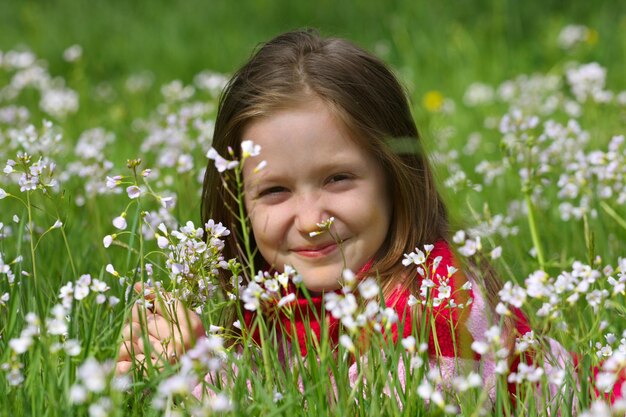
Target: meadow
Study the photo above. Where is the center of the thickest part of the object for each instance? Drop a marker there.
(106, 118)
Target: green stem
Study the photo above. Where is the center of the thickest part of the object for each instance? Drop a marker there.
(613, 214)
(69, 251)
(32, 236)
(245, 232)
(36, 282)
(533, 230)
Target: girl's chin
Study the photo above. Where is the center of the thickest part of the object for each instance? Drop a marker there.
(317, 287)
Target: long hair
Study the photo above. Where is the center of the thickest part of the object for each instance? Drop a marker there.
(296, 67)
(300, 66)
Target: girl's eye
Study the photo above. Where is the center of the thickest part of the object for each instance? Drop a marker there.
(339, 178)
(272, 191)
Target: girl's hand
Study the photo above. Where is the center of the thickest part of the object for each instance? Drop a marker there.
(159, 334)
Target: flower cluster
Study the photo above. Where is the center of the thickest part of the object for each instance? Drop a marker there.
(207, 357)
(594, 174)
(95, 384)
(267, 291)
(32, 175)
(194, 260)
(428, 389)
(587, 82)
(572, 285)
(82, 288)
(91, 164)
(56, 99)
(344, 307)
(54, 328)
(572, 36)
(5, 268)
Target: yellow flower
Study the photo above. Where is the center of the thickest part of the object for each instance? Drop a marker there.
(433, 101)
(592, 37)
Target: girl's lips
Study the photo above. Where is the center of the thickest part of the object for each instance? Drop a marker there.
(317, 251)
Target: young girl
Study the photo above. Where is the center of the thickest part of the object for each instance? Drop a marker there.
(339, 142)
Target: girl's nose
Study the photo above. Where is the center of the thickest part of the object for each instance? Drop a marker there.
(310, 211)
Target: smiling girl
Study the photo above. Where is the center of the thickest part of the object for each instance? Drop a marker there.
(339, 142)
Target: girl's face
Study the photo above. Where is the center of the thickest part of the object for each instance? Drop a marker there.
(314, 171)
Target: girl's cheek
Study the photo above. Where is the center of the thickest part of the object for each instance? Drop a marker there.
(263, 223)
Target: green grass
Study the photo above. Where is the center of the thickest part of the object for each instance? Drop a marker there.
(433, 46)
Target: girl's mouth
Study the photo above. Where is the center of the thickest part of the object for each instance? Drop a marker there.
(316, 251)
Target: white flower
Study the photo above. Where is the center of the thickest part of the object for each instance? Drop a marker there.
(112, 182)
(416, 258)
(21, 344)
(249, 148)
(221, 403)
(557, 377)
(162, 242)
(73, 53)
(512, 294)
(99, 286)
(348, 277)
(416, 362)
(176, 384)
(261, 165)
(459, 237)
(221, 164)
(167, 202)
(409, 343)
(369, 288)
(120, 222)
(451, 270)
(107, 240)
(496, 252)
(3, 194)
(502, 310)
(78, 394)
(72, 347)
(100, 408)
(444, 291)
(480, 347)
(57, 224)
(425, 390)
(93, 375)
(286, 300)
(133, 191)
(346, 342)
(111, 270)
(277, 396)
(598, 408)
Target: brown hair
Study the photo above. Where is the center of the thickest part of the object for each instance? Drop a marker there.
(297, 66)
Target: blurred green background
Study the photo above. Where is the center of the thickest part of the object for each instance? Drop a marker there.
(434, 45)
(445, 43)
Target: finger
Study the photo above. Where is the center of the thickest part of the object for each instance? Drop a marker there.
(177, 340)
(143, 289)
(139, 313)
(131, 331)
(158, 348)
(128, 350)
(123, 367)
(186, 322)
